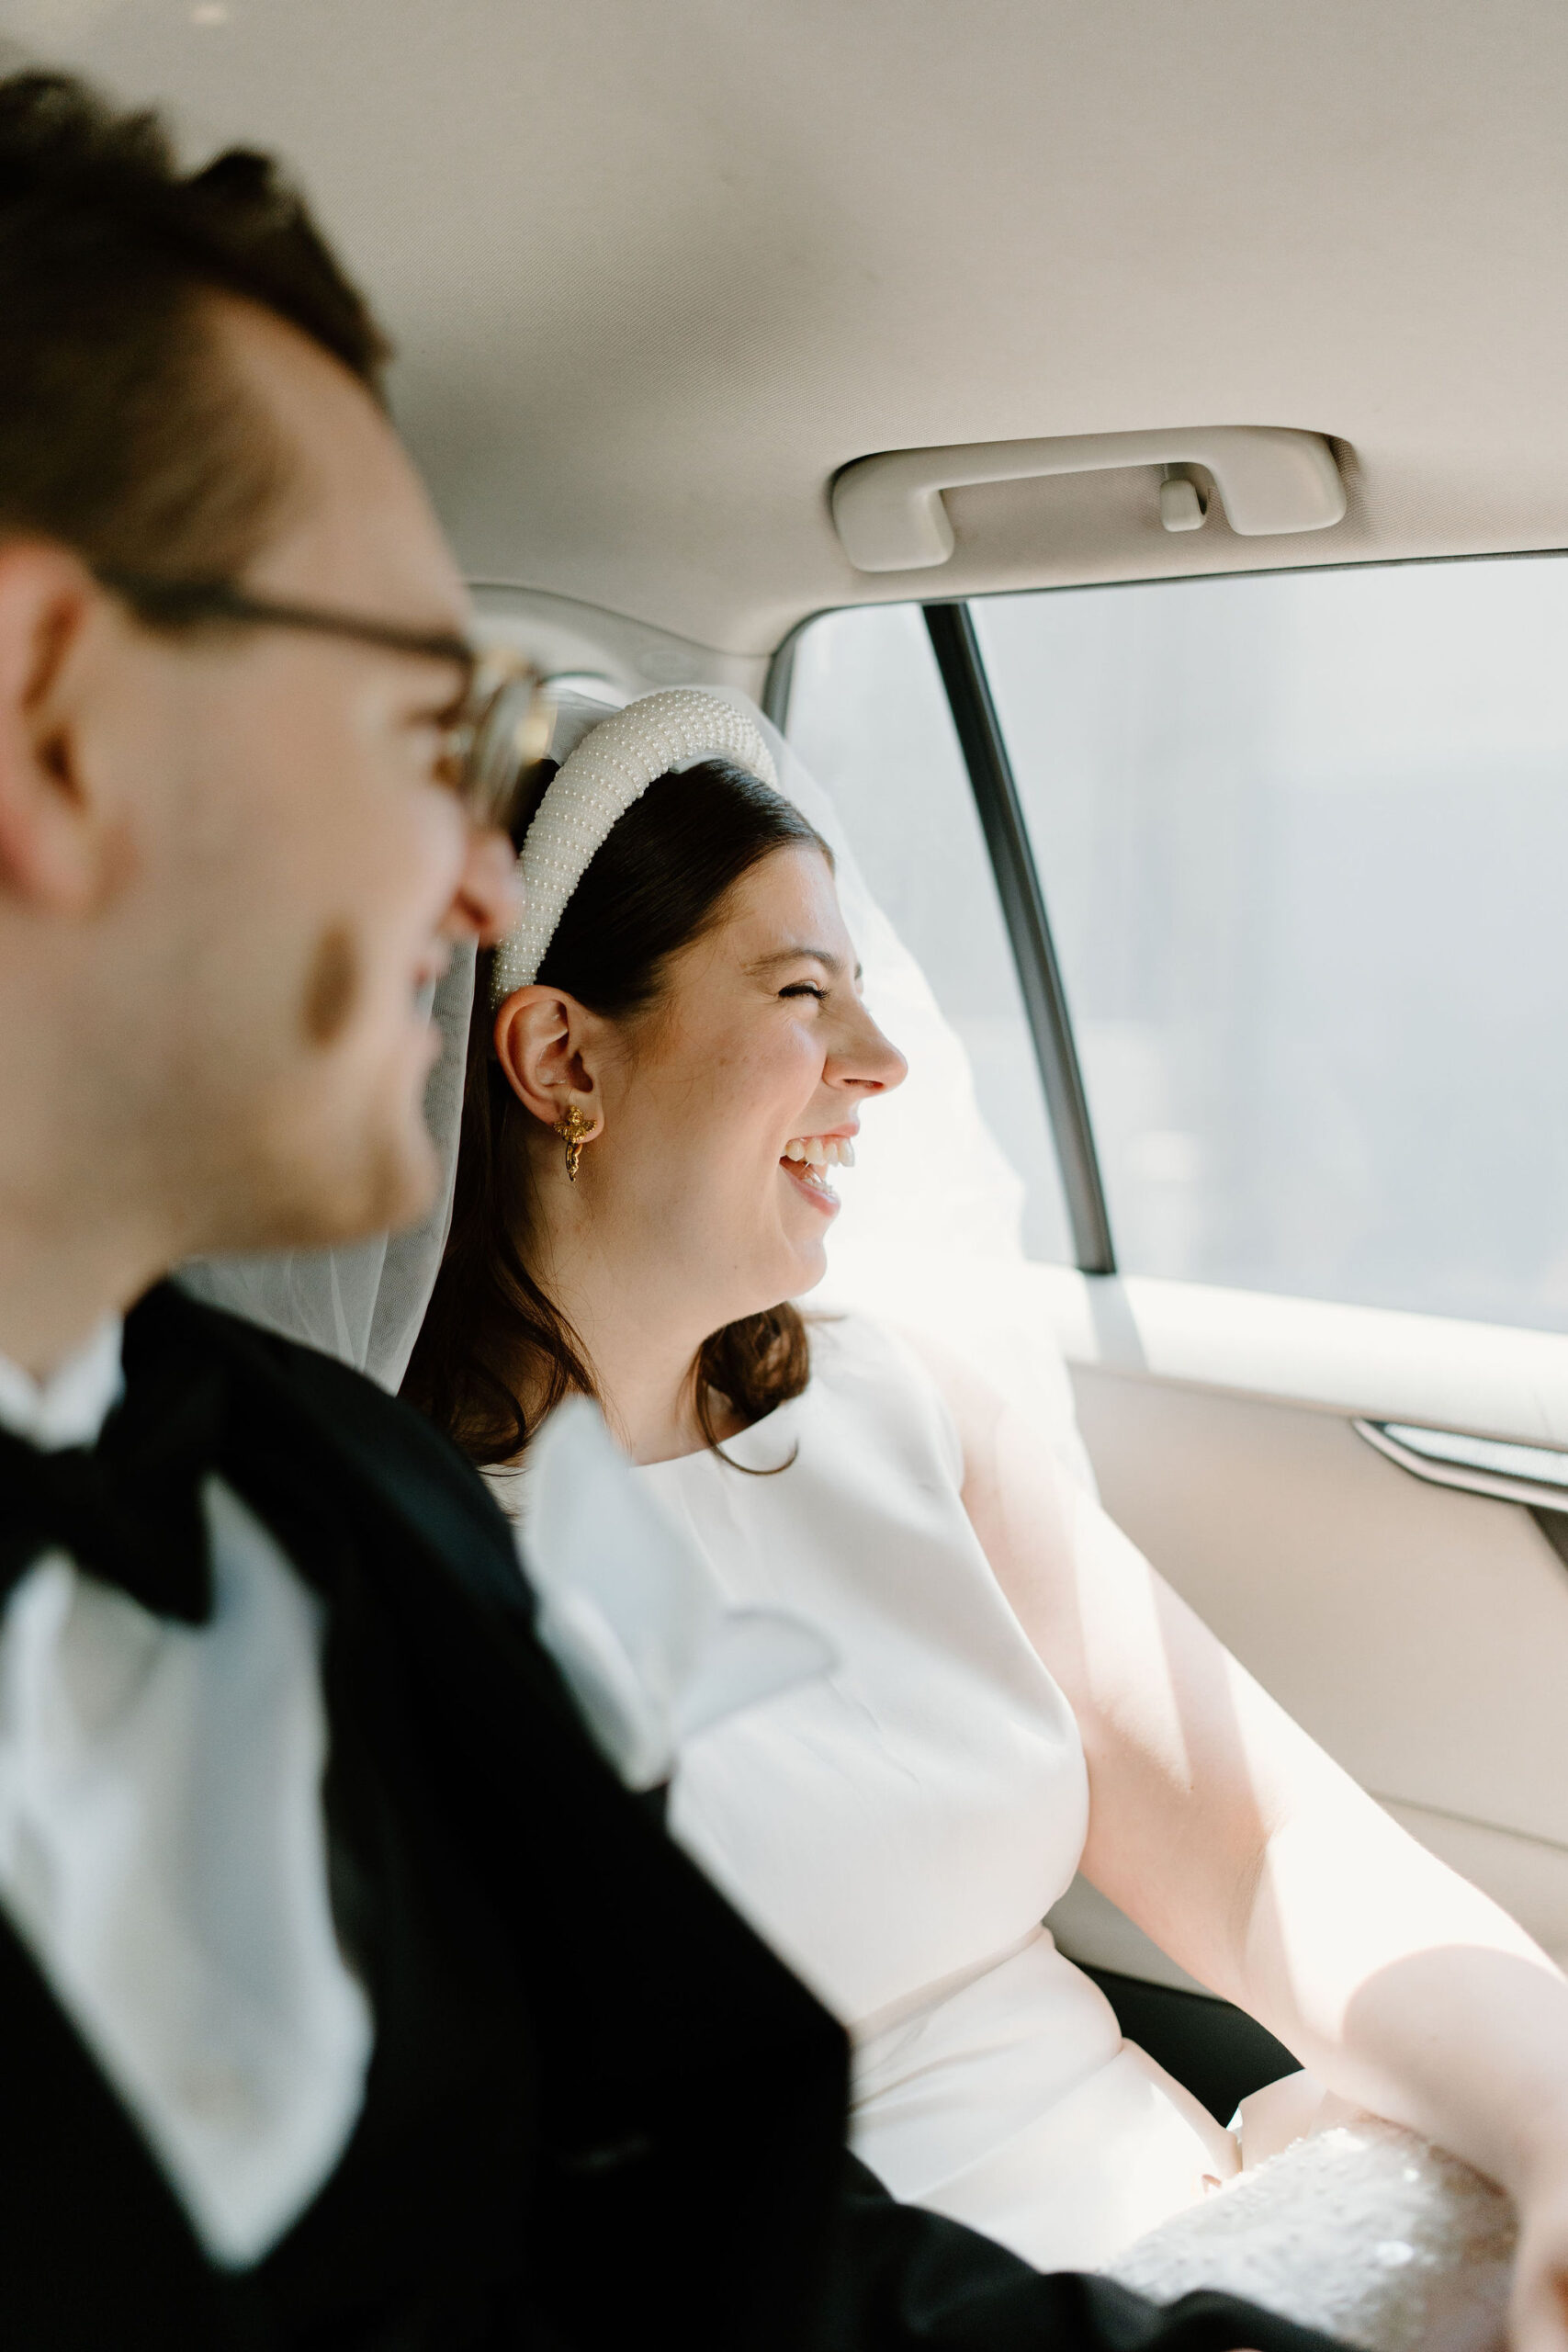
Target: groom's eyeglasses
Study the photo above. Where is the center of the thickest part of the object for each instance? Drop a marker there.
(503, 722)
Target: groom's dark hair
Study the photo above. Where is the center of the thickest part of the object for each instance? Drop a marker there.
(122, 432)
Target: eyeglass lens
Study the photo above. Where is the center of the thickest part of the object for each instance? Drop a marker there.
(510, 730)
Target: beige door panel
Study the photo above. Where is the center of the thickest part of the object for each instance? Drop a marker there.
(1420, 1633)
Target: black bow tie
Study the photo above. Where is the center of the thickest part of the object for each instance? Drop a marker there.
(128, 1509)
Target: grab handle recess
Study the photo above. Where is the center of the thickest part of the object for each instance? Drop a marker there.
(889, 514)
(1535, 1475)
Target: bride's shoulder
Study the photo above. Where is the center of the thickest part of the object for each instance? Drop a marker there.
(895, 1373)
(853, 1346)
(901, 1351)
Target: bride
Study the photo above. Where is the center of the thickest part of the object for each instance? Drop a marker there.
(672, 1057)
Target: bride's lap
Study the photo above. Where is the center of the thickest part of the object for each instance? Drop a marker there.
(1270, 2121)
(1344, 2222)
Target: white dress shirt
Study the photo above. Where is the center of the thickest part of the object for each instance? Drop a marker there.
(163, 1851)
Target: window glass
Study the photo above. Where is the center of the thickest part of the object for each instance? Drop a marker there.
(869, 717)
(1304, 840)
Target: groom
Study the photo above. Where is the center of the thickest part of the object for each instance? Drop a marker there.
(346, 2000)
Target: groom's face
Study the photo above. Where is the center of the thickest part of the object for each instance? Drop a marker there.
(303, 865)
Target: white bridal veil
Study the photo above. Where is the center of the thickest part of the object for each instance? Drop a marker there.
(929, 1233)
(363, 1304)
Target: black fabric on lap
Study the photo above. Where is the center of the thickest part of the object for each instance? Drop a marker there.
(906, 2280)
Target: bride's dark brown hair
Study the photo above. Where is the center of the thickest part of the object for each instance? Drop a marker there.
(491, 1335)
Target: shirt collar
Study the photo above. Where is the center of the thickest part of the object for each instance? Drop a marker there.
(70, 1406)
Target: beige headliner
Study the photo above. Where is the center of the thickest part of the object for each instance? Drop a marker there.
(659, 268)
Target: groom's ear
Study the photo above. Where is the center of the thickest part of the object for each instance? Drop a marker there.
(544, 1042)
(52, 837)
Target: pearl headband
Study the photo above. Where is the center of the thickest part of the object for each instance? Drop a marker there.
(611, 768)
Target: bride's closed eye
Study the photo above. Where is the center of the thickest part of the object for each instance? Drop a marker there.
(805, 987)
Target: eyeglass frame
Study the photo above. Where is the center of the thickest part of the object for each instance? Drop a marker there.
(492, 746)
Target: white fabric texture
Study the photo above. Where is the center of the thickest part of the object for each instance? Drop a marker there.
(163, 1853)
(898, 1828)
(628, 1607)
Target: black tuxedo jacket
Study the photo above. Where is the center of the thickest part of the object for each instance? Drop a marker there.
(600, 2114)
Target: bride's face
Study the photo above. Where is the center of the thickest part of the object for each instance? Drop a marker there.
(726, 1107)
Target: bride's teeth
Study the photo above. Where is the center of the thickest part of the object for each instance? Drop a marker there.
(820, 1151)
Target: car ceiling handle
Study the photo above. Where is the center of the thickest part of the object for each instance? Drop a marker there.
(889, 514)
(1535, 1475)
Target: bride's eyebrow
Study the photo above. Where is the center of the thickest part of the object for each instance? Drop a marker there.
(833, 965)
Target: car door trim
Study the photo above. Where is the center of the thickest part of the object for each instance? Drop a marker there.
(1499, 1468)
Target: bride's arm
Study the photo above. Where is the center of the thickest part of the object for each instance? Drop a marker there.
(1248, 1856)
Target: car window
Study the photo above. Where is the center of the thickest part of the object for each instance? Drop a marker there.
(1303, 840)
(867, 714)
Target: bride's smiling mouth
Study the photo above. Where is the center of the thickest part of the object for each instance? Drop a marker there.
(805, 1157)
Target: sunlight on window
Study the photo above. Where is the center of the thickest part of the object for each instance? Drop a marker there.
(1305, 844)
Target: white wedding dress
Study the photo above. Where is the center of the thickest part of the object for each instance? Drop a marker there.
(897, 1826)
(899, 1829)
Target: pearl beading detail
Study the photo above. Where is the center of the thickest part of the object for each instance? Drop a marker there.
(611, 768)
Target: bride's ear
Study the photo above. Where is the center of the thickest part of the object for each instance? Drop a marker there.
(544, 1042)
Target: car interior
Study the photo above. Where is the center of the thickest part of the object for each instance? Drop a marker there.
(1121, 448)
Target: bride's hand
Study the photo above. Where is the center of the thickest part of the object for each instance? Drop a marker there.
(1539, 2313)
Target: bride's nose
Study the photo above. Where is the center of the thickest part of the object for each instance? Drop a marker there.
(867, 1060)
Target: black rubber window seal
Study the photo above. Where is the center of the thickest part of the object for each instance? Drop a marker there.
(980, 738)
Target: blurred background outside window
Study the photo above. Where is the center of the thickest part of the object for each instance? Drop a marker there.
(1303, 840)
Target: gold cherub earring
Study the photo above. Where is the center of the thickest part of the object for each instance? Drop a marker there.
(575, 1128)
